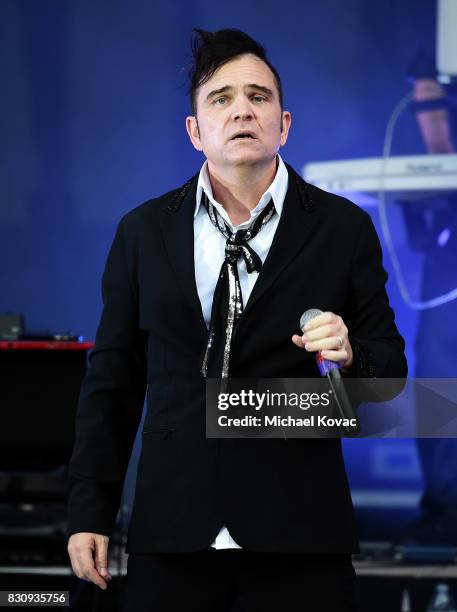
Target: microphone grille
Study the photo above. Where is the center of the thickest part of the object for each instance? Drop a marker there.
(308, 315)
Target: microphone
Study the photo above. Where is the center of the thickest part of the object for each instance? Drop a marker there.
(331, 369)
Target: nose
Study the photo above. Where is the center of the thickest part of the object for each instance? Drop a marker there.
(244, 115)
(242, 111)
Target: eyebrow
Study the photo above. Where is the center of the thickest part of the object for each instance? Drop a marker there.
(265, 90)
(227, 88)
(215, 92)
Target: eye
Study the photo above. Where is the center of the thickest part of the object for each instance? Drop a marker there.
(220, 101)
(258, 98)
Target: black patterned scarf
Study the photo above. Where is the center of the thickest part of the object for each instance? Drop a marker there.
(227, 304)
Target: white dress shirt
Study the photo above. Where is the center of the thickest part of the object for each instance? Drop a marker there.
(209, 251)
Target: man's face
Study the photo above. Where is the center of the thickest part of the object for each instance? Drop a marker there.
(238, 120)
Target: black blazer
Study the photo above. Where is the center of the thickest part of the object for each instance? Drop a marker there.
(272, 494)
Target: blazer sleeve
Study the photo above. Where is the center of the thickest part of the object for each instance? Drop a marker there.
(377, 345)
(110, 403)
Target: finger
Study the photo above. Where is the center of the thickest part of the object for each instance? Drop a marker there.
(322, 319)
(298, 341)
(75, 566)
(339, 356)
(88, 570)
(324, 331)
(104, 573)
(101, 556)
(325, 344)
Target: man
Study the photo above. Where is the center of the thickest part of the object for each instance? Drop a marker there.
(187, 295)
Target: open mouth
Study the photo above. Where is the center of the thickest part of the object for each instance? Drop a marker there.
(243, 135)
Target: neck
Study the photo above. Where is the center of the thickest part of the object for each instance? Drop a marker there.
(240, 189)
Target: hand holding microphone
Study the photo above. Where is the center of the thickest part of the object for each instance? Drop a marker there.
(325, 333)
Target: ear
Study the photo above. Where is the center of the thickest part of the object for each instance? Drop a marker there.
(286, 122)
(194, 134)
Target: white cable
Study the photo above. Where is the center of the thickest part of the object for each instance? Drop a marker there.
(385, 229)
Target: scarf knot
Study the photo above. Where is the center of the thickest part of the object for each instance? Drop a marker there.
(240, 248)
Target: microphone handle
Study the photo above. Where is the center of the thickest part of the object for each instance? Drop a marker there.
(341, 397)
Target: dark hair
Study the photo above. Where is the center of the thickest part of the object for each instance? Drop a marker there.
(211, 50)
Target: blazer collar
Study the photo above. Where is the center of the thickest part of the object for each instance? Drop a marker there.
(177, 224)
(295, 227)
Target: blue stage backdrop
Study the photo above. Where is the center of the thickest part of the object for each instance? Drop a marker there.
(92, 120)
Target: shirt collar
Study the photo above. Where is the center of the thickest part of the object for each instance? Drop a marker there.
(276, 191)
